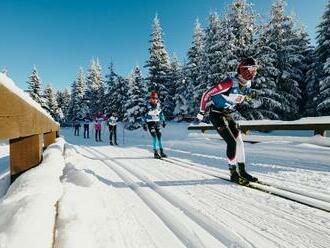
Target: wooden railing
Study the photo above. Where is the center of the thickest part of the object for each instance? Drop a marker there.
(318, 124)
(26, 125)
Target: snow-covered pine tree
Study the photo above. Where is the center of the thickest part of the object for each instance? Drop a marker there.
(323, 53)
(34, 88)
(136, 103)
(158, 62)
(265, 83)
(288, 58)
(306, 60)
(78, 105)
(63, 100)
(51, 102)
(212, 51)
(95, 88)
(120, 96)
(204, 80)
(313, 76)
(110, 85)
(175, 80)
(238, 35)
(192, 69)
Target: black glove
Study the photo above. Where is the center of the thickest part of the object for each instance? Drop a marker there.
(145, 127)
(164, 124)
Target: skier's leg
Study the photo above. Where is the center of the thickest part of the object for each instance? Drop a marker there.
(219, 122)
(115, 134)
(240, 152)
(110, 131)
(96, 135)
(152, 130)
(88, 131)
(159, 138)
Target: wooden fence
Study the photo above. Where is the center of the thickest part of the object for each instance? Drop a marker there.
(28, 129)
(318, 124)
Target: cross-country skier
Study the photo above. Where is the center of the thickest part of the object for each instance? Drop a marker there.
(76, 125)
(112, 122)
(222, 100)
(87, 121)
(154, 118)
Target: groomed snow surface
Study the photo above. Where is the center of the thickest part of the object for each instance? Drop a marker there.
(90, 194)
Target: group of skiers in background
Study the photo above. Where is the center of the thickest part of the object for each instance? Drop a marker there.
(98, 121)
(218, 103)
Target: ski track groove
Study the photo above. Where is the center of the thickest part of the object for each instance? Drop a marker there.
(287, 217)
(212, 230)
(264, 210)
(216, 193)
(316, 231)
(273, 242)
(195, 167)
(190, 241)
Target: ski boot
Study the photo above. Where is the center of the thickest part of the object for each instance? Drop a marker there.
(162, 154)
(234, 177)
(244, 175)
(157, 155)
(111, 143)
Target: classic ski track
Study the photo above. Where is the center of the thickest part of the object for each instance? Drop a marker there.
(228, 242)
(279, 213)
(248, 224)
(321, 197)
(224, 159)
(293, 221)
(270, 240)
(252, 185)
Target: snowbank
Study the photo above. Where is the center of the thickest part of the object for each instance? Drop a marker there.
(29, 207)
(9, 84)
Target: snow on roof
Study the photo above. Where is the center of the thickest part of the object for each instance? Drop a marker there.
(10, 85)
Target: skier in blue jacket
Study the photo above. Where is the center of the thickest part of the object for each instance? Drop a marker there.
(222, 100)
(154, 118)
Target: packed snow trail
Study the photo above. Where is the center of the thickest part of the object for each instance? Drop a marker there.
(153, 203)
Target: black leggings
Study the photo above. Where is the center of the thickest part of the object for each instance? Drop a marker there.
(113, 131)
(228, 130)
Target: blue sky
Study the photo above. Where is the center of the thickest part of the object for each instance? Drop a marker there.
(59, 36)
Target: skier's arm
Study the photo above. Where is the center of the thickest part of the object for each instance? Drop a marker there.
(218, 89)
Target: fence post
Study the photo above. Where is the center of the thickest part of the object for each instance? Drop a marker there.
(49, 138)
(25, 153)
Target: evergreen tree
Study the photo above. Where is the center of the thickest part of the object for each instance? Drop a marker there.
(192, 71)
(51, 103)
(63, 101)
(158, 62)
(136, 103)
(175, 80)
(323, 53)
(110, 84)
(78, 104)
(34, 88)
(95, 88)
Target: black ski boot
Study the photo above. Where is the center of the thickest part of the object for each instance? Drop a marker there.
(157, 155)
(244, 174)
(234, 177)
(162, 154)
(111, 143)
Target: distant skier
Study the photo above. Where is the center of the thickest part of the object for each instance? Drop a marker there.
(112, 122)
(99, 119)
(98, 128)
(87, 120)
(154, 118)
(76, 126)
(222, 100)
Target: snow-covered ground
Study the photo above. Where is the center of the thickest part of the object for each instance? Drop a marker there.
(4, 167)
(122, 197)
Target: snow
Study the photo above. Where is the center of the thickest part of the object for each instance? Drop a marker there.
(28, 208)
(110, 196)
(10, 85)
(4, 167)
